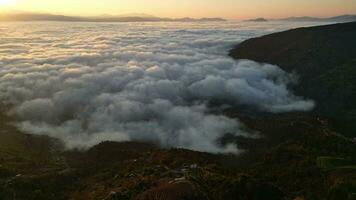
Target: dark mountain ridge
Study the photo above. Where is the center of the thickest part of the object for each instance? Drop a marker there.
(324, 58)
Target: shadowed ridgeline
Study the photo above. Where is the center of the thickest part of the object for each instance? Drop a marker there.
(324, 58)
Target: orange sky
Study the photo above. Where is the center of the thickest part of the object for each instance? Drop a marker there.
(230, 9)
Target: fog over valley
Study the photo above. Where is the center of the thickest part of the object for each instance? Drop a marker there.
(85, 83)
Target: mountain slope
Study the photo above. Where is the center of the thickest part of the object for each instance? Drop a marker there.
(279, 165)
(324, 58)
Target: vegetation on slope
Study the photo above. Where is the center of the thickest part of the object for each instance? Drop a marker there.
(291, 159)
(324, 58)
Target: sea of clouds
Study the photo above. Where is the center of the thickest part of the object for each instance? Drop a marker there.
(85, 83)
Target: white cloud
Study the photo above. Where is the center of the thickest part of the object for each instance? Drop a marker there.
(135, 82)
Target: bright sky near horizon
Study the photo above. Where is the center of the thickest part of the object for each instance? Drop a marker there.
(231, 9)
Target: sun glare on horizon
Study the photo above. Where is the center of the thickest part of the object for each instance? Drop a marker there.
(6, 2)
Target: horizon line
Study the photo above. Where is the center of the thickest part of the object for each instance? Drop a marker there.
(12, 12)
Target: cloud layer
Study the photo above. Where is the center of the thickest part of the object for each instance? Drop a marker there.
(86, 83)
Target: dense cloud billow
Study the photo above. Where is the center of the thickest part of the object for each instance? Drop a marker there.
(87, 83)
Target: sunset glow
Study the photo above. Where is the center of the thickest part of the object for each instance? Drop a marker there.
(231, 9)
(5, 2)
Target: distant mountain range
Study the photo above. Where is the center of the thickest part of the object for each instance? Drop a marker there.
(102, 18)
(139, 17)
(341, 18)
(257, 20)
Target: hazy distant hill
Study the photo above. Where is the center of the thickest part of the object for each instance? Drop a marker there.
(37, 17)
(341, 18)
(257, 20)
(102, 18)
(143, 15)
